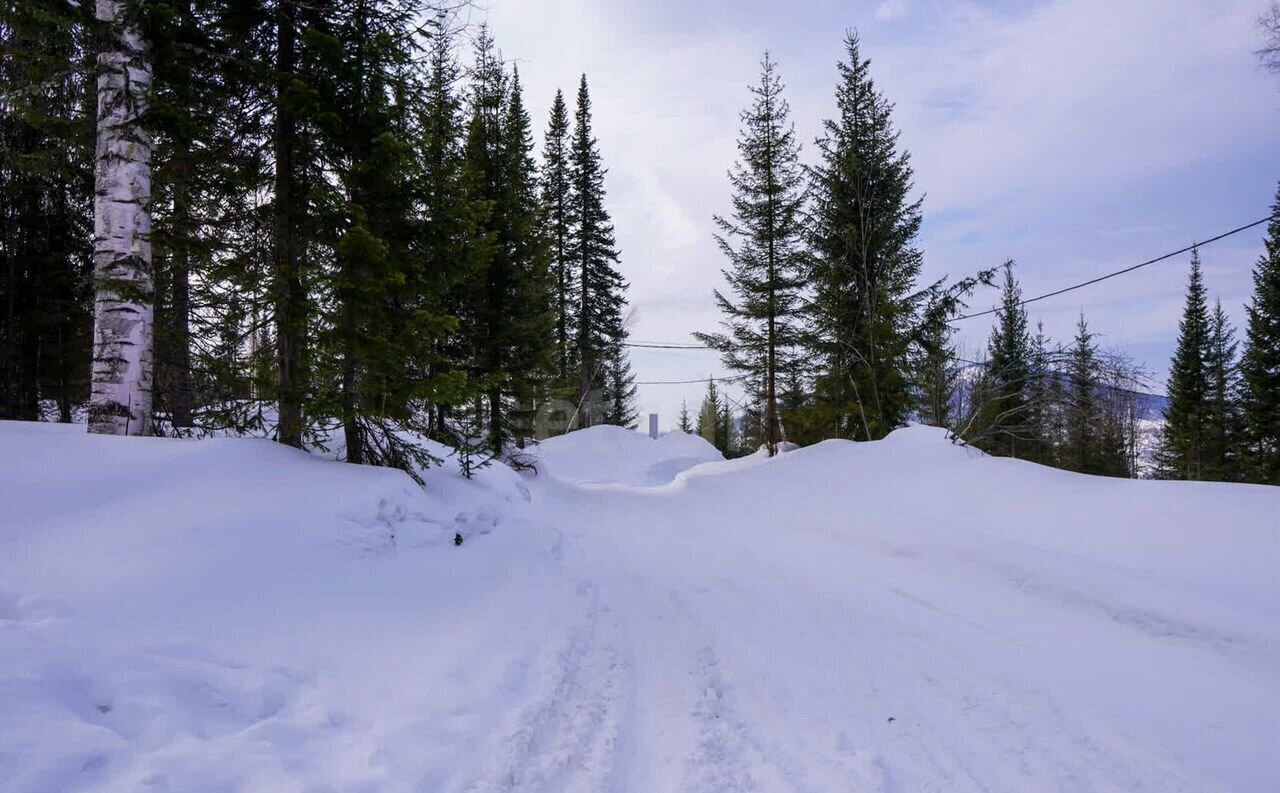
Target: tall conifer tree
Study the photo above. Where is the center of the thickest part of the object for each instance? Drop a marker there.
(864, 227)
(530, 354)
(510, 334)
(1182, 447)
(1008, 369)
(1222, 404)
(1081, 424)
(1043, 401)
(372, 336)
(47, 114)
(450, 238)
(556, 187)
(1260, 361)
(763, 243)
(292, 156)
(601, 288)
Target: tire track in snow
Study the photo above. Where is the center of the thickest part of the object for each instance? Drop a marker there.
(718, 761)
(566, 740)
(730, 754)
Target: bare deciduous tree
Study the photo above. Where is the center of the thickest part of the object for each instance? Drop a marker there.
(1270, 24)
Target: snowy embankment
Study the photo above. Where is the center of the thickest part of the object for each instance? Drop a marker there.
(899, 616)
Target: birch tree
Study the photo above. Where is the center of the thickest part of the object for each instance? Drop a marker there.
(120, 402)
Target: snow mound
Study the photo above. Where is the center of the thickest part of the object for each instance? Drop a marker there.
(232, 615)
(618, 456)
(174, 613)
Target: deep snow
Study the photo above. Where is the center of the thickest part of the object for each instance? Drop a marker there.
(231, 615)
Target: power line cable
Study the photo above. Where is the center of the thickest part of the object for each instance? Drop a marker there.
(663, 346)
(653, 345)
(732, 379)
(1130, 269)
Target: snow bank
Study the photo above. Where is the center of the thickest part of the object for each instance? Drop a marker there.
(235, 615)
(615, 455)
(231, 615)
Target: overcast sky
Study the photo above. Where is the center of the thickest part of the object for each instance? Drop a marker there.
(1073, 136)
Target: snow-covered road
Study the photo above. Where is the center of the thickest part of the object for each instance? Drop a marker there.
(736, 640)
(899, 616)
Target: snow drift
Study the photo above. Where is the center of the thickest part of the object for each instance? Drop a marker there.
(230, 615)
(613, 455)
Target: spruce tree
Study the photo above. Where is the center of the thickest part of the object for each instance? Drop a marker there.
(1043, 402)
(233, 247)
(726, 432)
(763, 243)
(451, 241)
(1260, 361)
(367, 210)
(486, 160)
(937, 376)
(1222, 421)
(601, 288)
(378, 319)
(619, 398)
(1009, 350)
(556, 187)
(186, 104)
(46, 206)
(1081, 423)
(684, 423)
(1182, 446)
(864, 226)
(293, 157)
(530, 358)
(510, 332)
(709, 414)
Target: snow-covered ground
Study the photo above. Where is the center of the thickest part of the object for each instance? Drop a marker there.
(230, 615)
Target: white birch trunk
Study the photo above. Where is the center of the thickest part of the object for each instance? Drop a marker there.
(120, 403)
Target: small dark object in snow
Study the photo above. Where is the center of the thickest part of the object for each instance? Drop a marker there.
(891, 720)
(457, 538)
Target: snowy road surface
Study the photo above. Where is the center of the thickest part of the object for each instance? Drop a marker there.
(898, 616)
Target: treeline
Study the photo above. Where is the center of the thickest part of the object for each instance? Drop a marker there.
(832, 336)
(1223, 418)
(347, 233)
(1082, 409)
(1074, 406)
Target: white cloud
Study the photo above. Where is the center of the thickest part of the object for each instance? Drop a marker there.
(1055, 133)
(892, 9)
(1073, 93)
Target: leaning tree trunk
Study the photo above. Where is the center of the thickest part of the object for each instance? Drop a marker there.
(120, 403)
